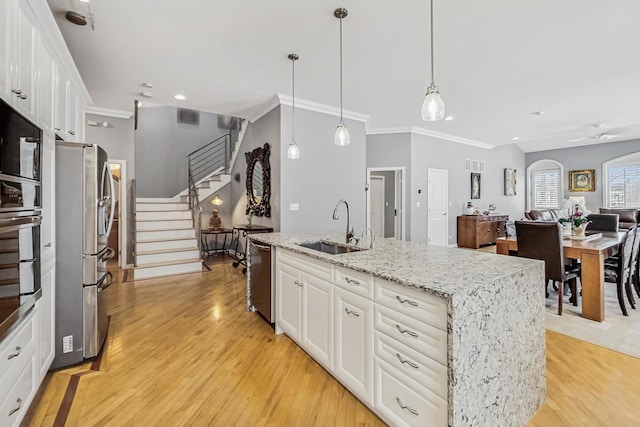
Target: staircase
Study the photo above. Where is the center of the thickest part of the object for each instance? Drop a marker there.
(168, 229)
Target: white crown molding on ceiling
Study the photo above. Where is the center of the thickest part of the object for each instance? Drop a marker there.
(108, 112)
(304, 104)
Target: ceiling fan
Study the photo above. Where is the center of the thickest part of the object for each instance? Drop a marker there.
(598, 136)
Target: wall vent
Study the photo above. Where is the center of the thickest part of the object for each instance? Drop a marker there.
(188, 117)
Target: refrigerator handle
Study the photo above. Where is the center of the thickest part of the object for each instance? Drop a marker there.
(111, 192)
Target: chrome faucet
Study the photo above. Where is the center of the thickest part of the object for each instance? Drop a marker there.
(373, 236)
(336, 216)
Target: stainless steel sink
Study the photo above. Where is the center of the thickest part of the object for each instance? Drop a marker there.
(328, 247)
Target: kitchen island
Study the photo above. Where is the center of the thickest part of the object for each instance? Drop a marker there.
(465, 329)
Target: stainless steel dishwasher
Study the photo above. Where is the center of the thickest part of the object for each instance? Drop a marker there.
(262, 295)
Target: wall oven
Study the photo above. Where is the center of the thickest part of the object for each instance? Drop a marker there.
(20, 216)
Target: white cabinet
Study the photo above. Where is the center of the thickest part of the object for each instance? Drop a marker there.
(74, 119)
(317, 319)
(6, 36)
(46, 85)
(60, 101)
(288, 299)
(46, 318)
(47, 227)
(23, 60)
(354, 343)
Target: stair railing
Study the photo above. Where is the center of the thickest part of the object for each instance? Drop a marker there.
(132, 247)
(215, 155)
(196, 210)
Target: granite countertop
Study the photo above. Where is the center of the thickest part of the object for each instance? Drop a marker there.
(441, 271)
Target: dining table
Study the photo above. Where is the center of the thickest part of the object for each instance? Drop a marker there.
(591, 253)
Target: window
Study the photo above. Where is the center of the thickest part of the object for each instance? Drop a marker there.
(545, 185)
(622, 182)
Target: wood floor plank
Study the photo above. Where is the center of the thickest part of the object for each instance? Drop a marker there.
(183, 351)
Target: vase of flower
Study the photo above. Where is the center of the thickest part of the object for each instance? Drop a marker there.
(578, 220)
(578, 230)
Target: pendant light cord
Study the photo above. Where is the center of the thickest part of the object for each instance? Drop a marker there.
(341, 69)
(293, 102)
(431, 16)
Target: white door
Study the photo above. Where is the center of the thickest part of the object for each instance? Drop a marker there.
(376, 187)
(438, 204)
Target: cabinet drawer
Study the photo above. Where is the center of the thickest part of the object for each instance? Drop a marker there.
(415, 304)
(354, 281)
(17, 400)
(419, 336)
(427, 372)
(402, 402)
(312, 266)
(14, 355)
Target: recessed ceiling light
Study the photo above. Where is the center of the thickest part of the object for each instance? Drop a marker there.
(146, 84)
(146, 94)
(180, 97)
(449, 118)
(84, 1)
(538, 113)
(515, 138)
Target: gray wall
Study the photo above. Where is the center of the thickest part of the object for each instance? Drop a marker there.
(393, 150)
(586, 157)
(324, 173)
(265, 129)
(389, 199)
(425, 152)
(161, 148)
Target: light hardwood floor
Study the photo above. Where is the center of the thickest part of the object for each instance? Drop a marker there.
(183, 351)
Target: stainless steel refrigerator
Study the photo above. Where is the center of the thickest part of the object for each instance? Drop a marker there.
(84, 215)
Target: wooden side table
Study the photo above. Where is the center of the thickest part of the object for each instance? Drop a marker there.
(477, 230)
(245, 229)
(204, 236)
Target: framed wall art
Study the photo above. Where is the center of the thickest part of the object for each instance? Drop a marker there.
(509, 182)
(582, 180)
(475, 185)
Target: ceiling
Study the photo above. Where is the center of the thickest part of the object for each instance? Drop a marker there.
(496, 62)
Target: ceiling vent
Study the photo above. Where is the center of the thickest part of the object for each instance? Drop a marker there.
(188, 117)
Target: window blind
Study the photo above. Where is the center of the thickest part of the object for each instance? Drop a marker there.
(546, 188)
(624, 186)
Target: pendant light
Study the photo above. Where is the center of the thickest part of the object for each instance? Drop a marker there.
(342, 133)
(293, 152)
(433, 105)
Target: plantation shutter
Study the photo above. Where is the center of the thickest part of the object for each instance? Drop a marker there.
(624, 186)
(546, 188)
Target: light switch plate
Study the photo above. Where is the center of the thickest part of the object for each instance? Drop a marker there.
(294, 207)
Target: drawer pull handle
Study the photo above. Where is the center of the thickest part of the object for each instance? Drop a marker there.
(14, 410)
(48, 245)
(22, 96)
(406, 408)
(408, 362)
(16, 354)
(351, 313)
(350, 281)
(298, 283)
(16, 91)
(403, 301)
(406, 331)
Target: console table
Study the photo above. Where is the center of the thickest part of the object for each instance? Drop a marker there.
(206, 249)
(477, 230)
(245, 229)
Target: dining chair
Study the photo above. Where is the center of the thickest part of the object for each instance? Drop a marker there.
(618, 270)
(603, 222)
(543, 240)
(634, 263)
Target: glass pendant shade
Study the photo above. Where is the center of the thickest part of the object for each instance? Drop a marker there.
(217, 200)
(342, 135)
(293, 152)
(433, 105)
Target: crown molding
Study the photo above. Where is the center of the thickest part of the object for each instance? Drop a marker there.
(108, 112)
(383, 131)
(323, 108)
(452, 138)
(263, 109)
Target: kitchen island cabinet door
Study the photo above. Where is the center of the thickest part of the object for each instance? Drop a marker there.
(288, 288)
(354, 343)
(317, 319)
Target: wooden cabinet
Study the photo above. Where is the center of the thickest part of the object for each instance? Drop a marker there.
(477, 230)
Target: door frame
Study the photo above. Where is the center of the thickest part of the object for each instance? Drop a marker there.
(403, 185)
(382, 179)
(122, 214)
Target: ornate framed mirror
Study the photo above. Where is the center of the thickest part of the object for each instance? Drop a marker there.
(258, 181)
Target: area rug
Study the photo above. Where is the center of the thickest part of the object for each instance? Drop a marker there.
(617, 332)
